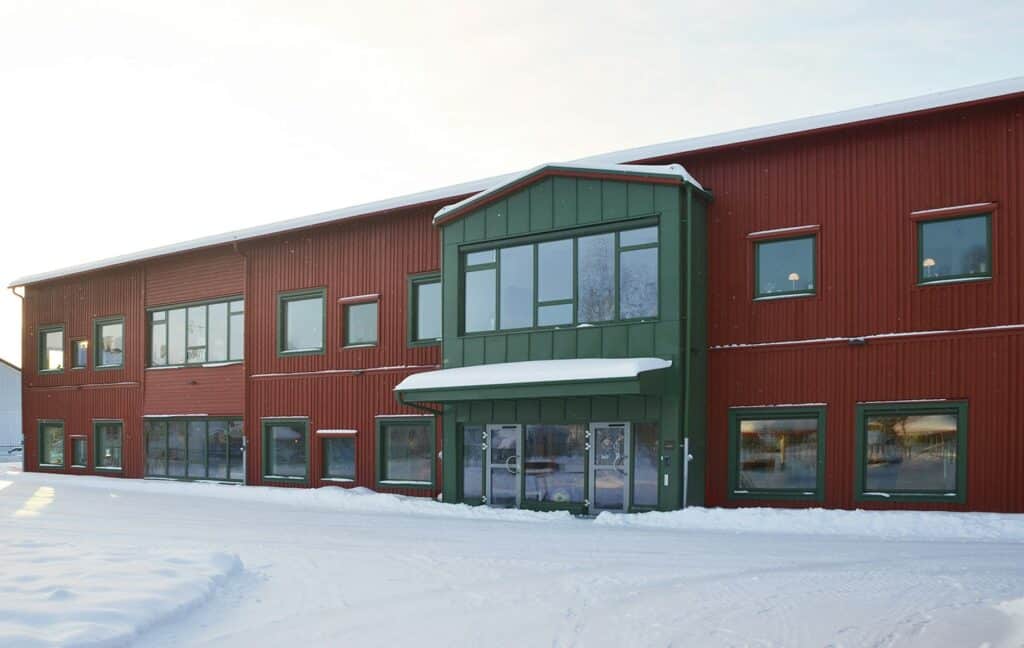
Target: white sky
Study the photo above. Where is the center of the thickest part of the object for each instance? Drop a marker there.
(125, 125)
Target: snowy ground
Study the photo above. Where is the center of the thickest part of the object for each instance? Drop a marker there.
(94, 561)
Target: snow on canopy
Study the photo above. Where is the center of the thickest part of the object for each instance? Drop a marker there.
(533, 371)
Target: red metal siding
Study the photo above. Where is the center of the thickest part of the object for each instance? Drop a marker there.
(861, 185)
(196, 276)
(196, 390)
(331, 402)
(984, 369)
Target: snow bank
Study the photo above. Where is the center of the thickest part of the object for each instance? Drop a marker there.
(915, 525)
(62, 594)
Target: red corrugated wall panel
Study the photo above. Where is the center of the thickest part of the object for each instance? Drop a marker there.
(985, 369)
(195, 276)
(216, 391)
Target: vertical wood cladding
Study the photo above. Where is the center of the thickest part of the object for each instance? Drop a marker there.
(195, 276)
(983, 369)
(216, 391)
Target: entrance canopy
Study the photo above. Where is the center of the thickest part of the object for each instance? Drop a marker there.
(536, 379)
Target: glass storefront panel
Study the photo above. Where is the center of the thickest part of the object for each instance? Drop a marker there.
(177, 459)
(217, 447)
(554, 464)
(472, 463)
(156, 448)
(197, 449)
(236, 454)
(194, 448)
(645, 464)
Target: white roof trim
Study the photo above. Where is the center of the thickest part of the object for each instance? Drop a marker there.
(532, 372)
(667, 170)
(877, 111)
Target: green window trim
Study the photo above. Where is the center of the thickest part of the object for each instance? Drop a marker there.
(41, 344)
(808, 292)
(574, 235)
(99, 447)
(865, 410)
(285, 297)
(413, 282)
(265, 425)
(97, 326)
(739, 414)
(923, 280)
(382, 422)
(39, 445)
(229, 303)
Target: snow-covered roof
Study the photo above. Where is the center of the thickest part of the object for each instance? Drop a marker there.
(646, 170)
(533, 372)
(932, 101)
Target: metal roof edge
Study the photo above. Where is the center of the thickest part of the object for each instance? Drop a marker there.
(902, 107)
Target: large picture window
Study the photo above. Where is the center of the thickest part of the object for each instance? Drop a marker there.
(285, 449)
(954, 248)
(196, 333)
(300, 322)
(912, 451)
(339, 455)
(108, 343)
(107, 440)
(425, 309)
(784, 267)
(51, 348)
(195, 448)
(776, 452)
(406, 451)
(51, 444)
(594, 278)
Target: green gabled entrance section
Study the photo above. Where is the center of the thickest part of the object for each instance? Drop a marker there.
(502, 310)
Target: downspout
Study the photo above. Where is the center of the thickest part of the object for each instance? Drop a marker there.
(245, 362)
(24, 453)
(687, 348)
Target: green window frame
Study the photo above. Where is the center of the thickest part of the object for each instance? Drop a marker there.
(97, 337)
(269, 451)
(196, 352)
(415, 282)
(79, 451)
(108, 455)
(79, 354)
(925, 264)
(46, 428)
(44, 357)
(474, 259)
(366, 309)
(158, 467)
(866, 411)
(384, 424)
(283, 300)
(739, 415)
(326, 442)
(760, 244)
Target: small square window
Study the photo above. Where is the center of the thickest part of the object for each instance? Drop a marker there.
(340, 457)
(79, 452)
(776, 452)
(79, 354)
(361, 324)
(285, 449)
(954, 248)
(425, 309)
(784, 267)
(109, 342)
(301, 322)
(51, 348)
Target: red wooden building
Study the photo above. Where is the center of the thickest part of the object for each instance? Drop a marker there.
(850, 332)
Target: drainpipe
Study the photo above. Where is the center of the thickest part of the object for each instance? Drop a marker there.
(24, 453)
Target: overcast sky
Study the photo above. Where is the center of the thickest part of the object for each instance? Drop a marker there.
(125, 125)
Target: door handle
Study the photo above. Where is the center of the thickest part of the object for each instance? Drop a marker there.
(513, 470)
(620, 463)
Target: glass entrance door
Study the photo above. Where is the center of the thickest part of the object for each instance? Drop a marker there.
(504, 464)
(609, 466)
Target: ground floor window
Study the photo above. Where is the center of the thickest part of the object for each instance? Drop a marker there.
(405, 448)
(51, 444)
(195, 449)
(645, 465)
(912, 451)
(473, 446)
(554, 464)
(339, 454)
(776, 452)
(108, 435)
(285, 449)
(79, 452)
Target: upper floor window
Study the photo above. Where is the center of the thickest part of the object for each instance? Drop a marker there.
(196, 334)
(784, 267)
(51, 348)
(954, 249)
(79, 354)
(361, 324)
(300, 322)
(586, 279)
(109, 343)
(425, 309)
